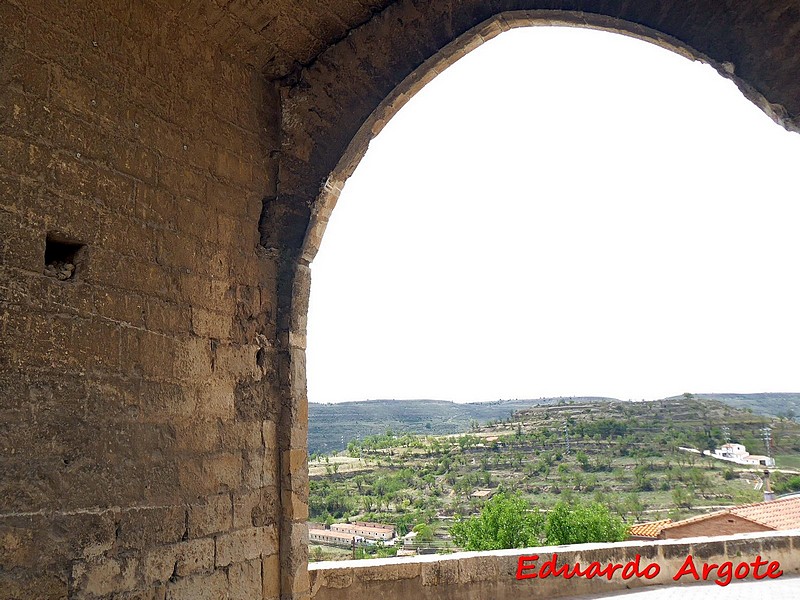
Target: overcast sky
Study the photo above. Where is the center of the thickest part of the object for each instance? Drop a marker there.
(564, 212)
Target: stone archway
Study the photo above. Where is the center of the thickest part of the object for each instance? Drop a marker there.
(333, 107)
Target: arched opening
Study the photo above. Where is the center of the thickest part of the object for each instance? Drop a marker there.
(325, 135)
(615, 225)
(563, 215)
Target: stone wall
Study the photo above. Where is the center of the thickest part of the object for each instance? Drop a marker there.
(493, 575)
(166, 171)
(139, 403)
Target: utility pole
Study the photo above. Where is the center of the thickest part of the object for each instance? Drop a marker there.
(766, 434)
(566, 436)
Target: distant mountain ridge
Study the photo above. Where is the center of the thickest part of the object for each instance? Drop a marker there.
(332, 426)
(773, 404)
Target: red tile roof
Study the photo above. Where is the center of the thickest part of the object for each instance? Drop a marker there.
(649, 530)
(776, 514)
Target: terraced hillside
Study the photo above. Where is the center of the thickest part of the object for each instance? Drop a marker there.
(332, 426)
(625, 455)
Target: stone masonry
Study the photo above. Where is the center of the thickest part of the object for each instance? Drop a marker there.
(167, 168)
(490, 575)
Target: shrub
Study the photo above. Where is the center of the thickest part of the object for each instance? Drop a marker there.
(504, 522)
(582, 523)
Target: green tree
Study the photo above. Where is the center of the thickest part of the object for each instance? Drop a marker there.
(424, 532)
(504, 522)
(682, 497)
(580, 524)
(583, 459)
(633, 505)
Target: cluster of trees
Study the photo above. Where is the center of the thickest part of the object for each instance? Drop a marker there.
(786, 485)
(509, 521)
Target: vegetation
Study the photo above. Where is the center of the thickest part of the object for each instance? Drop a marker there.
(623, 460)
(508, 521)
(504, 522)
(581, 524)
(332, 426)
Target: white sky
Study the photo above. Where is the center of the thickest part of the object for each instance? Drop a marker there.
(563, 212)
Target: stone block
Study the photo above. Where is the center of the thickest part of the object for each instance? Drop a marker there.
(238, 361)
(441, 572)
(395, 570)
(216, 399)
(210, 324)
(246, 435)
(41, 586)
(154, 206)
(246, 544)
(244, 580)
(269, 432)
(255, 508)
(105, 576)
(198, 437)
(211, 475)
(212, 586)
(139, 528)
(478, 568)
(21, 242)
(167, 317)
(193, 359)
(179, 560)
(135, 160)
(271, 576)
(295, 506)
(254, 469)
(212, 516)
(708, 550)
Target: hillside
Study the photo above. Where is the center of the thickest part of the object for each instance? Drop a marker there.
(332, 426)
(625, 455)
(772, 404)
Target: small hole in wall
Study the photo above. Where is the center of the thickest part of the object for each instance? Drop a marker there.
(261, 358)
(62, 257)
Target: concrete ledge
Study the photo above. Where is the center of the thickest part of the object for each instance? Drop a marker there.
(494, 575)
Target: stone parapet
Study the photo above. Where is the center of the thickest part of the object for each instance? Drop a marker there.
(496, 575)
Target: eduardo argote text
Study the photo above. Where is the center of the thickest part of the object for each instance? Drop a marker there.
(529, 567)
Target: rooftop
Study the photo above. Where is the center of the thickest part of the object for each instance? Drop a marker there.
(332, 534)
(779, 515)
(648, 530)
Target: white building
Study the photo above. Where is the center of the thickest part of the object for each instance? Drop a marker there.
(334, 538)
(737, 453)
(371, 531)
(731, 451)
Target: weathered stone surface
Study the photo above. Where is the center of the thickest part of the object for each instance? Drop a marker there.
(475, 575)
(105, 576)
(246, 544)
(244, 580)
(178, 560)
(212, 586)
(271, 576)
(212, 516)
(196, 149)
